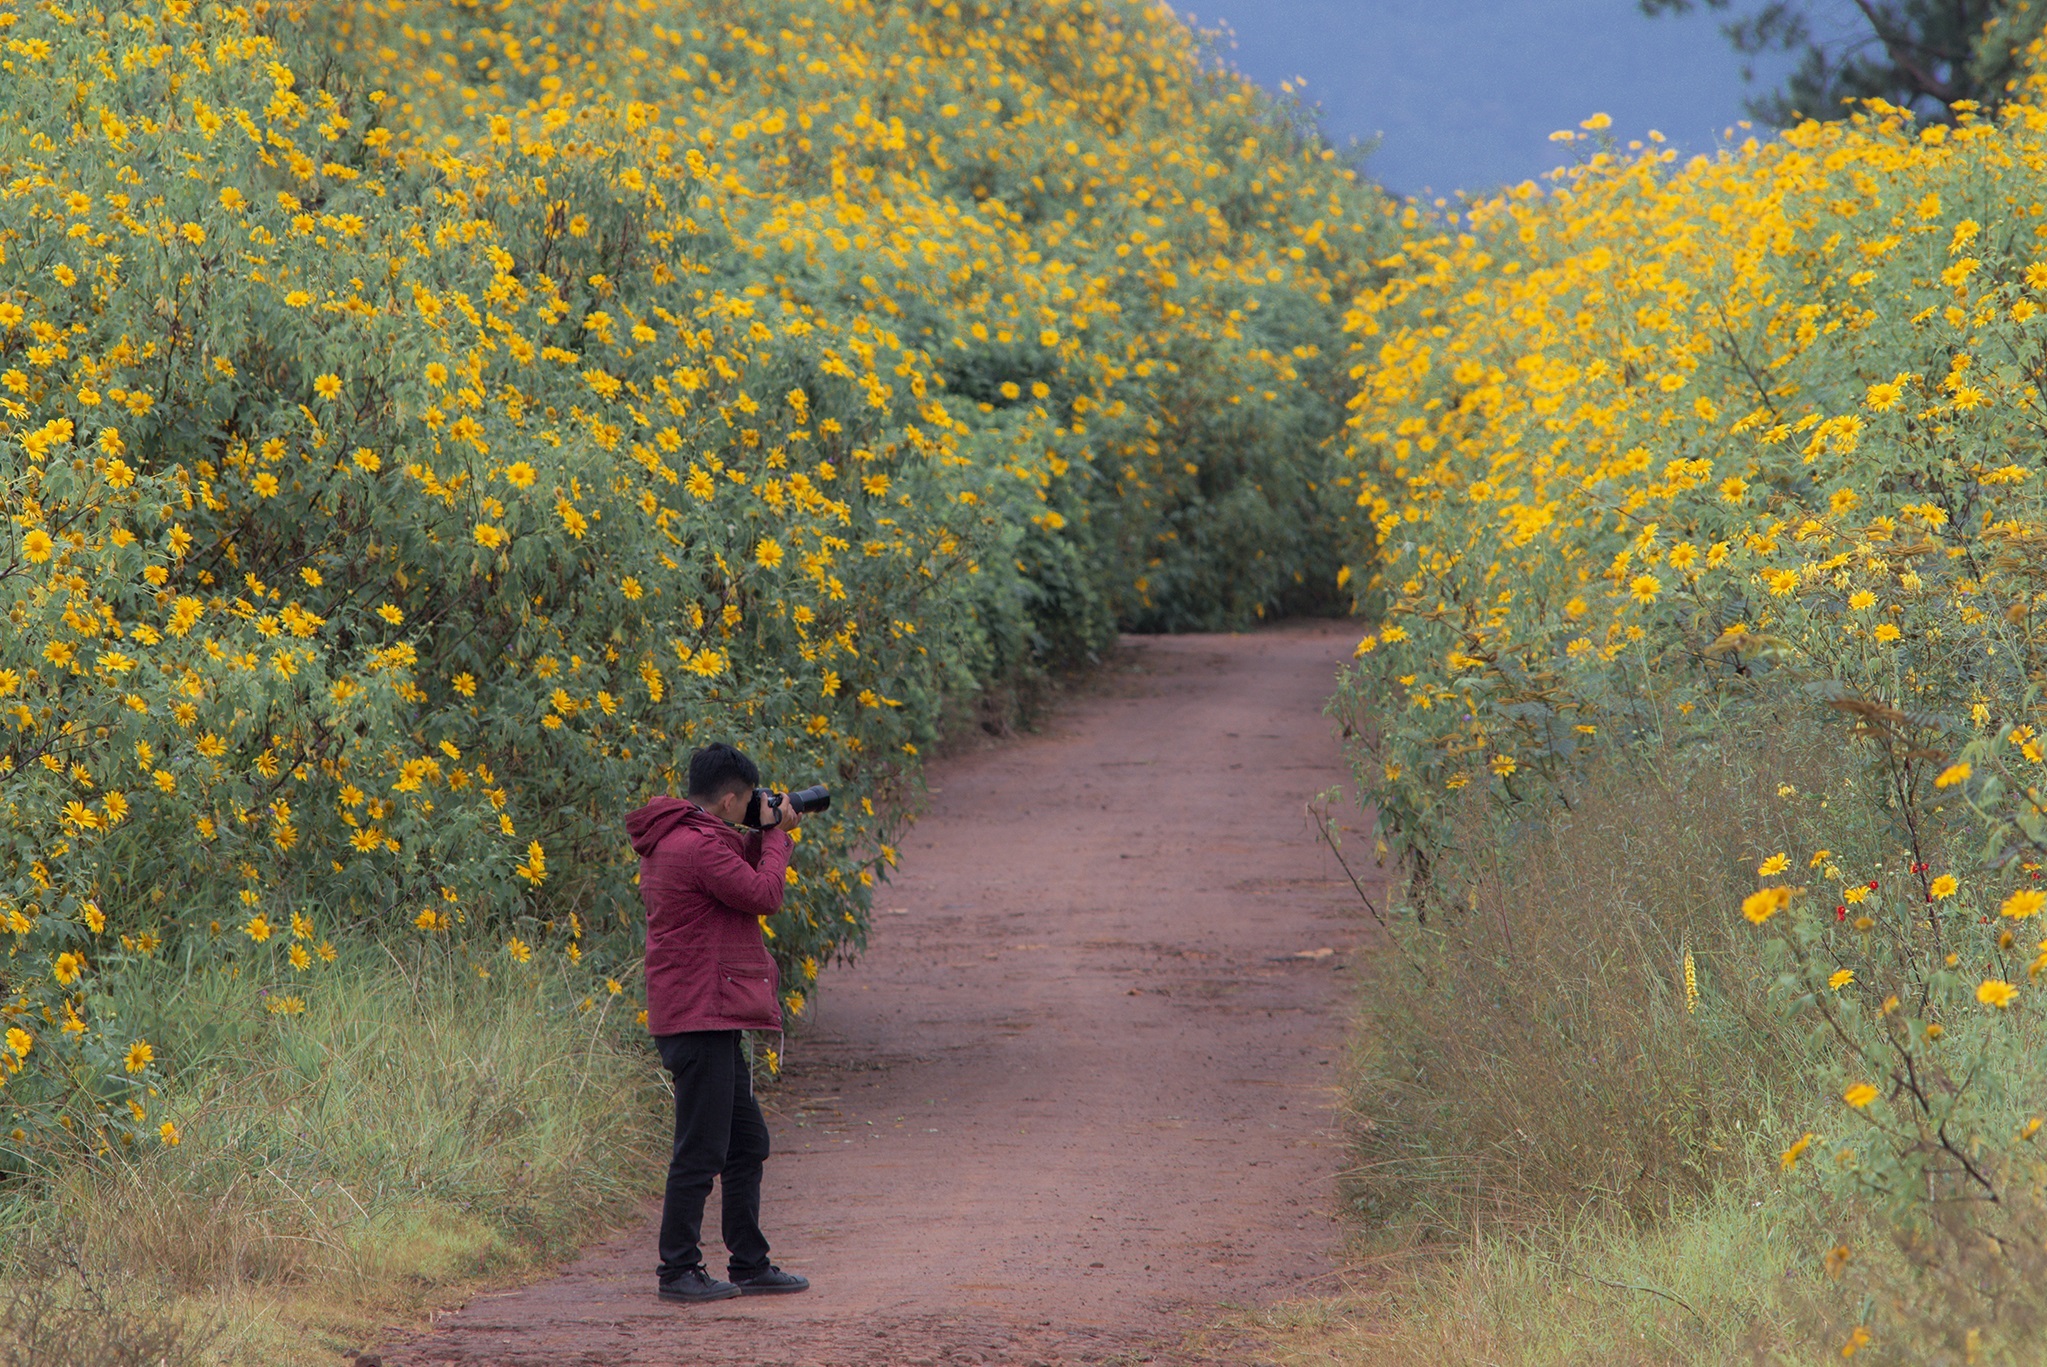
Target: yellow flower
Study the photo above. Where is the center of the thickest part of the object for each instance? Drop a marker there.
(1840, 978)
(1996, 992)
(1774, 865)
(140, 1055)
(520, 474)
(1953, 774)
(2023, 903)
(37, 547)
(1644, 588)
(519, 949)
(1761, 905)
(1503, 765)
(327, 386)
(168, 1132)
(1789, 1158)
(1944, 886)
(1860, 1095)
(768, 554)
(257, 927)
(67, 968)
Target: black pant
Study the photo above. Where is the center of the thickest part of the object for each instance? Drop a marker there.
(719, 1133)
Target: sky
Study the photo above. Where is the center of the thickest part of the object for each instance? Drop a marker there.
(1465, 93)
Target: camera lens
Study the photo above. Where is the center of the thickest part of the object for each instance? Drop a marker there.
(812, 799)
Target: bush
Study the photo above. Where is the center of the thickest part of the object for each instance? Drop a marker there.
(426, 424)
(1676, 460)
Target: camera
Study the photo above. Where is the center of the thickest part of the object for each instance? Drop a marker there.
(804, 800)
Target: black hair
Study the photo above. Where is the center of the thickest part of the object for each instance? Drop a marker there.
(718, 769)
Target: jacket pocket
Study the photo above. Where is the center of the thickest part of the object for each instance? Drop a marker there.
(746, 992)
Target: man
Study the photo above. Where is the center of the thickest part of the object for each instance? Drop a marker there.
(709, 977)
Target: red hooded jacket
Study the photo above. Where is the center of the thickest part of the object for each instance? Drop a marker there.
(705, 884)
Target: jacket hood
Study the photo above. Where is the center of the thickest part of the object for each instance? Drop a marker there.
(652, 823)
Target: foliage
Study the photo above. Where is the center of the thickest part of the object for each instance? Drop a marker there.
(423, 424)
(413, 1129)
(69, 1313)
(1933, 56)
(1672, 458)
(1710, 1286)
(1534, 1046)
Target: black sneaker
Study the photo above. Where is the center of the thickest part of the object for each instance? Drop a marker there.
(696, 1285)
(771, 1282)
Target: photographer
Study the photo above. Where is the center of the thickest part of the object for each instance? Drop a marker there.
(709, 976)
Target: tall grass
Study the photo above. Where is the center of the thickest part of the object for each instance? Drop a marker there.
(1560, 1156)
(1535, 1047)
(413, 1129)
(1720, 1285)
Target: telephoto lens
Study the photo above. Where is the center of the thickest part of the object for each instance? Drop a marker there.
(812, 799)
(803, 800)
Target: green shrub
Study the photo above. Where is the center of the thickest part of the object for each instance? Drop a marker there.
(425, 424)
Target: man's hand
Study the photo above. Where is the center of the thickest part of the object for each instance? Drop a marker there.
(785, 816)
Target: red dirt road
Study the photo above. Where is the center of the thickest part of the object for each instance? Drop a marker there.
(1076, 1099)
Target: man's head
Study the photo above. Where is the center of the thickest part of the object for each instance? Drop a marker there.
(722, 780)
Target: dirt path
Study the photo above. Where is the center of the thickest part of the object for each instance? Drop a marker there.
(1077, 1098)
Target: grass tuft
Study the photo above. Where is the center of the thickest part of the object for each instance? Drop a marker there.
(1561, 1158)
(413, 1130)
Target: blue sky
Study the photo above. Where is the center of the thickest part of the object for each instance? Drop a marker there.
(1465, 93)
